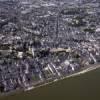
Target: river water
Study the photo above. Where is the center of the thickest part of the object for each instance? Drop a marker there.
(83, 87)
